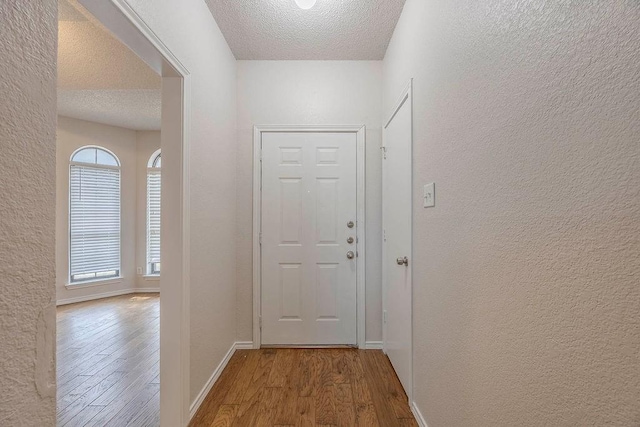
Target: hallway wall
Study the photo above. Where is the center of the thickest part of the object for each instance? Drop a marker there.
(28, 34)
(309, 93)
(526, 273)
(191, 33)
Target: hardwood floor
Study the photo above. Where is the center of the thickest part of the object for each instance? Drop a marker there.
(108, 362)
(288, 387)
(108, 375)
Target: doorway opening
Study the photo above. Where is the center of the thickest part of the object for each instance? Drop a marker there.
(126, 177)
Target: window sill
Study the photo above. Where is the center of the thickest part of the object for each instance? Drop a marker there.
(91, 283)
(152, 277)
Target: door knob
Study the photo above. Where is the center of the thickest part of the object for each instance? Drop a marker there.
(350, 255)
(350, 224)
(350, 240)
(403, 261)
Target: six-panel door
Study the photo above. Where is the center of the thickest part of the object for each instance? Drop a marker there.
(308, 199)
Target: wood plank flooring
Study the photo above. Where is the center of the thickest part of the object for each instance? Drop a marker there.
(108, 362)
(290, 387)
(108, 375)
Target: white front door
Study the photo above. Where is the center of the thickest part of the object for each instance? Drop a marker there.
(396, 213)
(307, 255)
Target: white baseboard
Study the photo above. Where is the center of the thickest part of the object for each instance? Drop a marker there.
(373, 345)
(244, 345)
(418, 415)
(240, 345)
(105, 295)
(150, 290)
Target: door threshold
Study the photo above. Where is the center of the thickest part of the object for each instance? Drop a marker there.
(318, 346)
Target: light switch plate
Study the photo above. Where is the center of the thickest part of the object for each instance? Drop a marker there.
(429, 195)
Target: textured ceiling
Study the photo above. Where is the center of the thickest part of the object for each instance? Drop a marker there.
(332, 29)
(137, 109)
(99, 78)
(68, 12)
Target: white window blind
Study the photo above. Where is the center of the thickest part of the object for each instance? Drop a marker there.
(153, 220)
(94, 222)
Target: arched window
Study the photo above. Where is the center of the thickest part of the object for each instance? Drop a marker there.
(94, 215)
(155, 161)
(153, 213)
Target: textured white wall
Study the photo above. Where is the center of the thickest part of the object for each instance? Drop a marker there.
(27, 212)
(316, 93)
(526, 273)
(71, 135)
(190, 32)
(147, 143)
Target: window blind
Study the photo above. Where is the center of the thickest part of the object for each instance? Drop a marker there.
(153, 221)
(94, 222)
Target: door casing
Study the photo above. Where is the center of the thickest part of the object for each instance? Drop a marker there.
(359, 130)
(130, 28)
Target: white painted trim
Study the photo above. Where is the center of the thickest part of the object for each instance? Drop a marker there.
(99, 165)
(361, 275)
(152, 159)
(93, 297)
(212, 380)
(406, 96)
(244, 345)
(373, 345)
(309, 128)
(103, 295)
(257, 215)
(239, 345)
(360, 132)
(406, 93)
(124, 22)
(93, 283)
(418, 415)
(150, 290)
(185, 339)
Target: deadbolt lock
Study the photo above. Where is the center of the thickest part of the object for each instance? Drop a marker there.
(402, 261)
(350, 240)
(350, 224)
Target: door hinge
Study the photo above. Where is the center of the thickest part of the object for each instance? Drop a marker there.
(384, 316)
(260, 322)
(384, 152)
(260, 238)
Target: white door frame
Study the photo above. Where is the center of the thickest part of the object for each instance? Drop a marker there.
(359, 131)
(130, 28)
(405, 98)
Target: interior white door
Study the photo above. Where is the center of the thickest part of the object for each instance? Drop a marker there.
(307, 254)
(397, 242)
